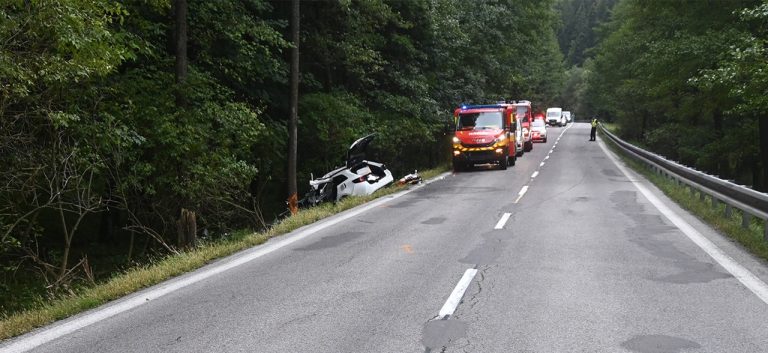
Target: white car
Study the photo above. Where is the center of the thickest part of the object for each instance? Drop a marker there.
(555, 117)
(567, 116)
(358, 177)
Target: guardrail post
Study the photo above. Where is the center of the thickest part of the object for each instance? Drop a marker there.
(728, 211)
(765, 230)
(715, 201)
(746, 218)
(693, 190)
(702, 195)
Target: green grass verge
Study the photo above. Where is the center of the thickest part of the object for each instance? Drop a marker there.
(750, 238)
(45, 312)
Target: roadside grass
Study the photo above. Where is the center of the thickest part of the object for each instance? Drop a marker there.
(121, 284)
(750, 238)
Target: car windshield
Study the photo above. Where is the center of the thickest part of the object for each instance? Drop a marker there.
(552, 114)
(480, 121)
(538, 123)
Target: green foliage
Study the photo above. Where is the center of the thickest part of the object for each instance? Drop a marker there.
(743, 67)
(674, 77)
(577, 34)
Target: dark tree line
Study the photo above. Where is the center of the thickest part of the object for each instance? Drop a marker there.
(120, 137)
(686, 79)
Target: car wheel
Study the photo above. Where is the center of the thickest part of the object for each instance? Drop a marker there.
(545, 140)
(458, 166)
(528, 146)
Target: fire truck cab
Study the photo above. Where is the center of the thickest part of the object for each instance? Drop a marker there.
(484, 134)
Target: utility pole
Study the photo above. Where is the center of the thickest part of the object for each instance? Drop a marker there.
(294, 118)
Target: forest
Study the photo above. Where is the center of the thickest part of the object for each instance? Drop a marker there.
(686, 79)
(106, 153)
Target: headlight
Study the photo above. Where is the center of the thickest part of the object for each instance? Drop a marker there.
(501, 138)
(456, 140)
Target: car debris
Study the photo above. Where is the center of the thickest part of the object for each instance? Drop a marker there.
(410, 179)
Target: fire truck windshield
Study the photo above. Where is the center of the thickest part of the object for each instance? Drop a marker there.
(480, 121)
(522, 112)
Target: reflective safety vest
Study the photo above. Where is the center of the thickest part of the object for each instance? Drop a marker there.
(594, 122)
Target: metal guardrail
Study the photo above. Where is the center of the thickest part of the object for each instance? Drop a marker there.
(751, 203)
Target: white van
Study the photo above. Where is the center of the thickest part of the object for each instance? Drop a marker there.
(555, 117)
(567, 116)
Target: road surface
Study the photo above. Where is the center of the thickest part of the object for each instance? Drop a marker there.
(560, 253)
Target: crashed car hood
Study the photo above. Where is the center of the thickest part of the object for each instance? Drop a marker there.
(477, 137)
(356, 152)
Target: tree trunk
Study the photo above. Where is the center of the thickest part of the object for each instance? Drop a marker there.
(180, 14)
(67, 245)
(186, 228)
(763, 128)
(717, 121)
(294, 118)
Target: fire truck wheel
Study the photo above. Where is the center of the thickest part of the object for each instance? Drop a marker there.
(503, 162)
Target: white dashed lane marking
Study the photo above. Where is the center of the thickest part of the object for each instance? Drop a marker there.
(502, 221)
(455, 298)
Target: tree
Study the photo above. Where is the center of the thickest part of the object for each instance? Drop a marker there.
(294, 117)
(743, 69)
(645, 76)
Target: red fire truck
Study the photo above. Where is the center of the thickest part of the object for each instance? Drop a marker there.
(484, 134)
(524, 114)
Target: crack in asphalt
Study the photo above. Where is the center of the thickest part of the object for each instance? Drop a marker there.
(441, 332)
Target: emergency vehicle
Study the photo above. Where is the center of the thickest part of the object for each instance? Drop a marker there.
(484, 134)
(524, 114)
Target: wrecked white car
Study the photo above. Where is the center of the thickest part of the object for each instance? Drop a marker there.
(358, 177)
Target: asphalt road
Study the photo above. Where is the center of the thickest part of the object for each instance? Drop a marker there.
(582, 262)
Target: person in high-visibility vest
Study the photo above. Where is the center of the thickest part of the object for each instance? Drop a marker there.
(594, 129)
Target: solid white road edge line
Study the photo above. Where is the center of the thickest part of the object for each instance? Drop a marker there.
(536, 173)
(44, 335)
(502, 221)
(453, 301)
(747, 278)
